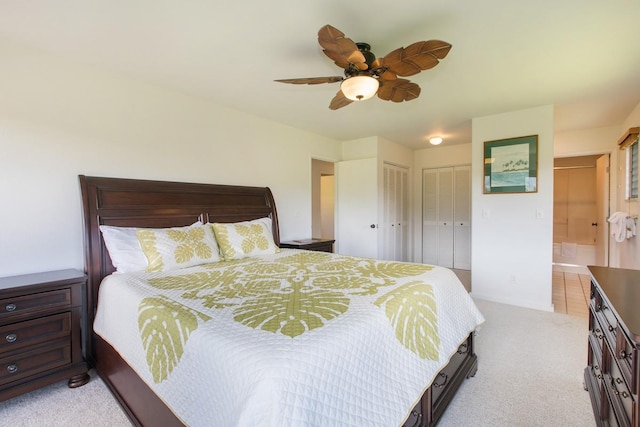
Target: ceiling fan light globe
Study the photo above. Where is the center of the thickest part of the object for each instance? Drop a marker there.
(359, 88)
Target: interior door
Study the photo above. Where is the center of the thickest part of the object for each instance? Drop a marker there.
(602, 206)
(357, 208)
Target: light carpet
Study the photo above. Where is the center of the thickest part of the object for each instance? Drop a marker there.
(529, 374)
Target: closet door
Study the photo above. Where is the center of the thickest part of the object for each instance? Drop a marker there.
(430, 216)
(462, 218)
(445, 217)
(395, 212)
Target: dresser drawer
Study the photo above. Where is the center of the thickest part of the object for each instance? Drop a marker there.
(33, 332)
(626, 354)
(27, 304)
(621, 398)
(596, 335)
(594, 358)
(18, 365)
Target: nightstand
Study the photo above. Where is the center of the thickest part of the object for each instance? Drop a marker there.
(41, 325)
(320, 245)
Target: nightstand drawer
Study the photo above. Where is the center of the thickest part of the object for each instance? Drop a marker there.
(40, 359)
(33, 332)
(15, 306)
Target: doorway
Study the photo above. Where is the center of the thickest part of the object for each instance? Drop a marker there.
(322, 199)
(581, 209)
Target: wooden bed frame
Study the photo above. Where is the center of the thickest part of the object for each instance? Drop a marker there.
(142, 203)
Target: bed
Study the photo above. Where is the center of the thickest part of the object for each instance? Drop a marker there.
(160, 205)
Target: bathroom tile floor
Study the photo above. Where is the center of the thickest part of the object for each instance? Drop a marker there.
(571, 288)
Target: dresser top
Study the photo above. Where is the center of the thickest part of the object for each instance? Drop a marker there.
(621, 288)
(57, 276)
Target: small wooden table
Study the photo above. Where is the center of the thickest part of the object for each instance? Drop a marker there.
(320, 245)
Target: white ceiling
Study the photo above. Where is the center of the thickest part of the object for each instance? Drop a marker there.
(583, 56)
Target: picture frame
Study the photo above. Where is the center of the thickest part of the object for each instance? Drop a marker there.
(511, 165)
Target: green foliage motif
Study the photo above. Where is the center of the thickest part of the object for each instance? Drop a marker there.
(253, 237)
(411, 309)
(190, 244)
(288, 295)
(165, 327)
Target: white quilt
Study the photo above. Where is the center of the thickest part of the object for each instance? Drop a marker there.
(296, 338)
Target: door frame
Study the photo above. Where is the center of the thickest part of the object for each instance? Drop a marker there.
(612, 193)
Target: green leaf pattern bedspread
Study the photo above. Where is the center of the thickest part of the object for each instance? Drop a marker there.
(297, 338)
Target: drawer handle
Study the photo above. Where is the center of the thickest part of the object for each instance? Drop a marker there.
(625, 355)
(624, 393)
(444, 382)
(12, 369)
(11, 307)
(595, 369)
(610, 328)
(463, 349)
(11, 338)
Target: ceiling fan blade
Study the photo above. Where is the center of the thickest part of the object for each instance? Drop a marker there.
(416, 57)
(312, 80)
(339, 101)
(398, 90)
(343, 51)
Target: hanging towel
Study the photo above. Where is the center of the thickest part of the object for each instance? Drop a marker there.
(618, 221)
(631, 227)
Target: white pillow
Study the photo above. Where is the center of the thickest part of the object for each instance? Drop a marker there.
(124, 248)
(178, 247)
(244, 239)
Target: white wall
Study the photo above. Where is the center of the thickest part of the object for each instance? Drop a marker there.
(59, 119)
(512, 247)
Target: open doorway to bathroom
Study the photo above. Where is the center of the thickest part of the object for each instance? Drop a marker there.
(581, 209)
(322, 199)
(580, 228)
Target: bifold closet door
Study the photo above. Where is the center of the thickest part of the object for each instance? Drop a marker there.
(446, 214)
(437, 217)
(396, 213)
(462, 218)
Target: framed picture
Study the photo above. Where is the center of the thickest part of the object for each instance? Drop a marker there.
(511, 165)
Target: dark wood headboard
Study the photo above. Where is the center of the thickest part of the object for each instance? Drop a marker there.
(159, 204)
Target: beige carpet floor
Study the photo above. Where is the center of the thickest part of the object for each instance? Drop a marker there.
(529, 374)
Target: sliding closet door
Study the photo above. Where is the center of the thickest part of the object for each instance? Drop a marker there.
(446, 217)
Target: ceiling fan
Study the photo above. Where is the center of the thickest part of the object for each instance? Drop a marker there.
(365, 75)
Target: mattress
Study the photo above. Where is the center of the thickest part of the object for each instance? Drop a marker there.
(296, 338)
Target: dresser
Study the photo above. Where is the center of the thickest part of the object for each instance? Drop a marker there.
(320, 245)
(612, 375)
(42, 319)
